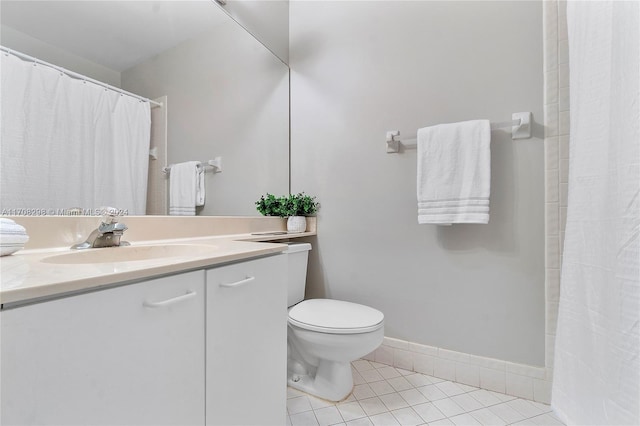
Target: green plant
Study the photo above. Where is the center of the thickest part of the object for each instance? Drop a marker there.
(270, 205)
(287, 205)
(300, 205)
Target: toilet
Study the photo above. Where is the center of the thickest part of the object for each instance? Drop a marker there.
(324, 336)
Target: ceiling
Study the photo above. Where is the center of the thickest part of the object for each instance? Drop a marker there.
(116, 34)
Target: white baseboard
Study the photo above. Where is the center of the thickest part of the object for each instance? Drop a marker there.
(524, 381)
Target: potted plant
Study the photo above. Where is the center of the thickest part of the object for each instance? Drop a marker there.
(270, 205)
(298, 207)
(295, 207)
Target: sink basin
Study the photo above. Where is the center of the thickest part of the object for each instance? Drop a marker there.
(131, 254)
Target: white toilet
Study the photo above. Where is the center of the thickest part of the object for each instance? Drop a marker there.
(325, 335)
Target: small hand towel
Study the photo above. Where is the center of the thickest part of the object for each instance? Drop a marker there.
(200, 188)
(182, 188)
(454, 173)
(13, 237)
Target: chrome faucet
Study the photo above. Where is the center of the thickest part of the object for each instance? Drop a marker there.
(107, 234)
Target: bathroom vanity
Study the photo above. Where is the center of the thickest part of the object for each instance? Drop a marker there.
(196, 341)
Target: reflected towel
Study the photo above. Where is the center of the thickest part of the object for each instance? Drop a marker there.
(200, 188)
(183, 182)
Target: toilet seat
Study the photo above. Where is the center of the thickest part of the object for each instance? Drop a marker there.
(335, 317)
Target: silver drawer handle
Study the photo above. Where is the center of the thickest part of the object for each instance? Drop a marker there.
(171, 301)
(238, 283)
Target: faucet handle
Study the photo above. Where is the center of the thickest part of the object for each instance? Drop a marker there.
(109, 214)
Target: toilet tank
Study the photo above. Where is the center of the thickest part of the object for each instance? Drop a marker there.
(298, 254)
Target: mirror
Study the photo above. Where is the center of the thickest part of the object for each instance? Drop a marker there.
(268, 21)
(224, 93)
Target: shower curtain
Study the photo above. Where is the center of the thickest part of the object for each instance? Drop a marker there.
(69, 143)
(597, 356)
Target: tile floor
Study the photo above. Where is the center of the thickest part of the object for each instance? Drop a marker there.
(385, 395)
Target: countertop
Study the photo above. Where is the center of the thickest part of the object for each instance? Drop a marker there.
(27, 276)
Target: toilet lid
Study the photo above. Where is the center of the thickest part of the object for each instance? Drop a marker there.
(335, 316)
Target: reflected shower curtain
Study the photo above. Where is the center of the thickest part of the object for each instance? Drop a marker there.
(597, 357)
(69, 143)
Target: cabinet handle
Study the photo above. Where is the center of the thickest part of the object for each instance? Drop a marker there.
(238, 283)
(168, 302)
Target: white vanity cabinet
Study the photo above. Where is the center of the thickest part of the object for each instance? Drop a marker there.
(129, 355)
(247, 342)
(147, 353)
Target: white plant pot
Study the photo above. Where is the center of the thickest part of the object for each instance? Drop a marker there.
(296, 224)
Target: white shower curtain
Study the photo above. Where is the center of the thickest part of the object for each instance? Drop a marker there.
(69, 143)
(597, 356)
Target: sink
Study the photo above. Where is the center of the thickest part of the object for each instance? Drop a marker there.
(131, 254)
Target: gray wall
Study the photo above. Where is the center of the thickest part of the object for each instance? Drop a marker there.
(24, 43)
(359, 69)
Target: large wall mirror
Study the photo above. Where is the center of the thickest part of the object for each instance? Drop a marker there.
(224, 94)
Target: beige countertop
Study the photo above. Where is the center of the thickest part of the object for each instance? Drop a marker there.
(27, 274)
(34, 273)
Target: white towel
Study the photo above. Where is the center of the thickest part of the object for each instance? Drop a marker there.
(182, 188)
(13, 237)
(454, 173)
(200, 188)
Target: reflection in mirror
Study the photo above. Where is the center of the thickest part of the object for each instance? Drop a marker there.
(268, 21)
(223, 93)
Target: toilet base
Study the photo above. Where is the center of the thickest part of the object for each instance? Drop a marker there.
(332, 381)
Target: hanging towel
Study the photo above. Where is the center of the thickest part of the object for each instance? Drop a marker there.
(454, 173)
(183, 182)
(200, 188)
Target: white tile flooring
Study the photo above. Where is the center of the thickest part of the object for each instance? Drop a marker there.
(385, 395)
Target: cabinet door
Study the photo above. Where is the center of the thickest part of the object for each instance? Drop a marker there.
(111, 357)
(247, 343)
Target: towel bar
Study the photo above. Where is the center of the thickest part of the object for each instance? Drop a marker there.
(520, 129)
(215, 164)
